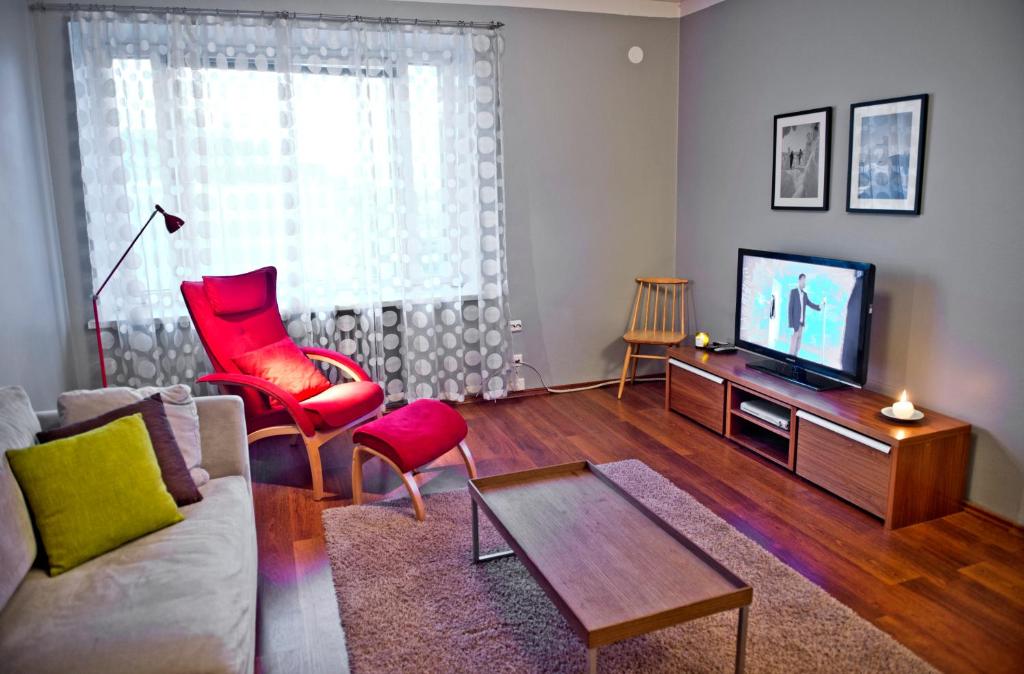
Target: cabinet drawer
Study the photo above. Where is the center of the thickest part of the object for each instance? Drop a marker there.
(697, 394)
(846, 463)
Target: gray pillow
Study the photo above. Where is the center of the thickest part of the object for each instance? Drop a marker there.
(76, 406)
(18, 428)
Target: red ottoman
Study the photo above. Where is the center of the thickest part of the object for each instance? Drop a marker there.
(408, 439)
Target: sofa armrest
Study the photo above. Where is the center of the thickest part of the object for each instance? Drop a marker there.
(222, 434)
(48, 419)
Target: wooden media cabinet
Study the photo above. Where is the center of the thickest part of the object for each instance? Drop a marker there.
(837, 439)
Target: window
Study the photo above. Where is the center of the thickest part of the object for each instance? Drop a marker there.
(327, 179)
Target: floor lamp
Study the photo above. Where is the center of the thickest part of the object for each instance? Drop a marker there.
(173, 224)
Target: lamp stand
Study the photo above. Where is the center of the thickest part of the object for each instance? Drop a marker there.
(173, 223)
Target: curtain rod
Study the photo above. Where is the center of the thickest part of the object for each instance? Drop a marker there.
(259, 14)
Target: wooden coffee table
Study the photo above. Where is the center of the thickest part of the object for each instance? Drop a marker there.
(613, 568)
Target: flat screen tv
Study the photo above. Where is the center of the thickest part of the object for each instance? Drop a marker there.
(811, 316)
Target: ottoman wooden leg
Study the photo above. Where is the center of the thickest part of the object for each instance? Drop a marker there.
(357, 475)
(359, 454)
(414, 494)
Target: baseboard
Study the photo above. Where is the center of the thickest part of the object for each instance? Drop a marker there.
(994, 518)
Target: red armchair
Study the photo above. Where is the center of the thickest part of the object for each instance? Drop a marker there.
(237, 315)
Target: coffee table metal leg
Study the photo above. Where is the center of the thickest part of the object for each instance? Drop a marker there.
(741, 639)
(476, 532)
(477, 557)
(591, 661)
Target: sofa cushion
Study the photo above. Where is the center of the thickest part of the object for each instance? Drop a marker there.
(168, 454)
(76, 406)
(93, 492)
(18, 428)
(181, 599)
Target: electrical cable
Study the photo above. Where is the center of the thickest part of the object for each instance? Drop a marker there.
(610, 382)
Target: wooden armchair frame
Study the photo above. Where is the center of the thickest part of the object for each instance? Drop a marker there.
(303, 425)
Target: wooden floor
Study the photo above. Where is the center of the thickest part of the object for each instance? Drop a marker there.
(952, 590)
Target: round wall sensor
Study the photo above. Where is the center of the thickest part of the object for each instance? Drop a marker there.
(635, 54)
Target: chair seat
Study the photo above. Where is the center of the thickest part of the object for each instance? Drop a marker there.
(414, 435)
(342, 404)
(662, 337)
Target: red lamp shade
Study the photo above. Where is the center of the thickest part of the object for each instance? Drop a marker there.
(172, 222)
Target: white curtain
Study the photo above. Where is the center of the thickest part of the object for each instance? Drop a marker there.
(363, 160)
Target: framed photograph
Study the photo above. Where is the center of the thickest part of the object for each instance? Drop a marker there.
(887, 155)
(802, 160)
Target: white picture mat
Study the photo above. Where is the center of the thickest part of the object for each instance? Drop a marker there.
(913, 107)
(810, 118)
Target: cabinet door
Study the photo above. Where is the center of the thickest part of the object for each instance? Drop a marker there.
(845, 463)
(698, 394)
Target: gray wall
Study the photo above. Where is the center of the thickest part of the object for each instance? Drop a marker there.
(32, 315)
(590, 146)
(950, 296)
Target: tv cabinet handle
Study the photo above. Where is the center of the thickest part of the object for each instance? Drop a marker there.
(845, 432)
(696, 371)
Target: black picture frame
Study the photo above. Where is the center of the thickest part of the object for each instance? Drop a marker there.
(783, 176)
(889, 168)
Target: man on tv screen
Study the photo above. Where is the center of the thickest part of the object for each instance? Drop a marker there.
(799, 303)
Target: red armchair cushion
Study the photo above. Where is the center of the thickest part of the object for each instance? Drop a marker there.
(283, 363)
(236, 294)
(342, 404)
(414, 435)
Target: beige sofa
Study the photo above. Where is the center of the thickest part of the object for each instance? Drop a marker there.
(182, 599)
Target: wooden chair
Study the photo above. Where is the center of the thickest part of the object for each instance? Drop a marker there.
(659, 319)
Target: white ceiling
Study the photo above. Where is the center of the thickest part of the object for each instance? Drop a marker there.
(655, 8)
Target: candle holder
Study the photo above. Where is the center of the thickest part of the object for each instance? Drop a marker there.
(915, 417)
(903, 410)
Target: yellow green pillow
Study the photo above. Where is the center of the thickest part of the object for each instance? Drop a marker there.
(94, 492)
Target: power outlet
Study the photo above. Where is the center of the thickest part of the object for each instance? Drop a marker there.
(517, 384)
(515, 325)
(517, 359)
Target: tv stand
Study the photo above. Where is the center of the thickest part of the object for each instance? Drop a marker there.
(837, 439)
(796, 374)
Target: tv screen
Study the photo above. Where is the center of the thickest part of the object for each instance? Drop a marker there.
(809, 311)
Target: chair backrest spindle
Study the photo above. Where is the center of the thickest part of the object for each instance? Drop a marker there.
(647, 307)
(659, 300)
(636, 307)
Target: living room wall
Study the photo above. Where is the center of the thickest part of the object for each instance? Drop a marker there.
(33, 332)
(949, 304)
(590, 147)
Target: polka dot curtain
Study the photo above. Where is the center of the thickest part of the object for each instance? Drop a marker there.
(363, 160)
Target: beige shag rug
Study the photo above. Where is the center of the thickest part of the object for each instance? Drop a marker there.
(411, 600)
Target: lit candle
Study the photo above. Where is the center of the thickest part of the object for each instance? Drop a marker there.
(903, 408)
